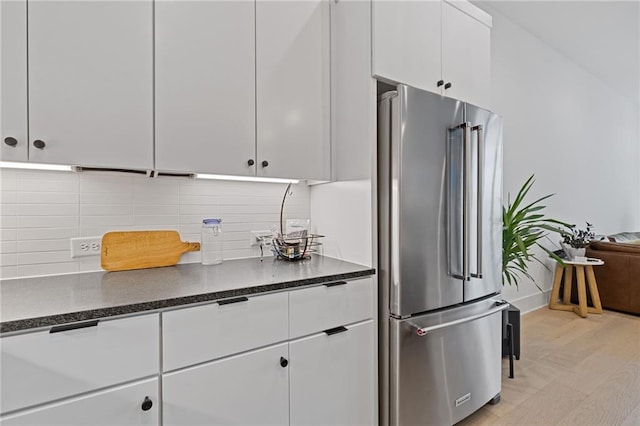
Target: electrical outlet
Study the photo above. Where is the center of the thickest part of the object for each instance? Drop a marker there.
(86, 246)
(260, 236)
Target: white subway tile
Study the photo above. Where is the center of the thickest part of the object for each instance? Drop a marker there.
(45, 257)
(8, 221)
(47, 269)
(106, 209)
(30, 246)
(8, 259)
(8, 272)
(8, 247)
(157, 209)
(190, 237)
(47, 221)
(70, 186)
(192, 229)
(157, 198)
(93, 184)
(48, 209)
(89, 264)
(205, 211)
(191, 257)
(48, 198)
(93, 231)
(155, 187)
(8, 197)
(8, 234)
(25, 234)
(171, 221)
(95, 221)
(7, 183)
(106, 198)
(198, 199)
(8, 209)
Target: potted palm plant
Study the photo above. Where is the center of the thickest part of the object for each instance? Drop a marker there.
(524, 225)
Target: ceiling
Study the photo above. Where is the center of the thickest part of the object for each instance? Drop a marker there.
(602, 37)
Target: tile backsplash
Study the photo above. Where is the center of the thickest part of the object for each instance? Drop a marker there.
(41, 211)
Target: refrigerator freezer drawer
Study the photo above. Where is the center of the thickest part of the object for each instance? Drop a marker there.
(445, 365)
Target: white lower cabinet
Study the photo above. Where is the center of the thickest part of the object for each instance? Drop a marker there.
(247, 366)
(73, 359)
(129, 405)
(332, 377)
(247, 389)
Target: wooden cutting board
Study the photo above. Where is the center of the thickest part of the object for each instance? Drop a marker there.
(122, 251)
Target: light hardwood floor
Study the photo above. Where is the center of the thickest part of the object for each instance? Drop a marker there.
(572, 371)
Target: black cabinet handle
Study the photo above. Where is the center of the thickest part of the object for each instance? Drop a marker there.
(39, 144)
(146, 404)
(11, 141)
(234, 300)
(446, 86)
(336, 330)
(335, 283)
(265, 163)
(251, 162)
(67, 327)
(440, 83)
(283, 362)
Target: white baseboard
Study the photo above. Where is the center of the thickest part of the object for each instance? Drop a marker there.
(531, 302)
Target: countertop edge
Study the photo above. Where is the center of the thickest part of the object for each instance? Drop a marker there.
(23, 325)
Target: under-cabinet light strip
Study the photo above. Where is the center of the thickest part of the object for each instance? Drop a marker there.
(35, 166)
(245, 178)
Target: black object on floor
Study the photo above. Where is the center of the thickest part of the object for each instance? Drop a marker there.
(513, 318)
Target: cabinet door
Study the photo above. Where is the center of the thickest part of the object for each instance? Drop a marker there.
(122, 406)
(205, 86)
(466, 56)
(247, 389)
(332, 378)
(13, 39)
(292, 54)
(407, 42)
(90, 82)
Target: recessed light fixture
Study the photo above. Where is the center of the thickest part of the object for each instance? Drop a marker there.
(245, 178)
(35, 166)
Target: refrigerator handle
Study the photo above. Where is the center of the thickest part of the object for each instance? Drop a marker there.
(466, 200)
(480, 129)
(426, 330)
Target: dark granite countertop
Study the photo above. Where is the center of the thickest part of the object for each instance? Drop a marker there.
(29, 303)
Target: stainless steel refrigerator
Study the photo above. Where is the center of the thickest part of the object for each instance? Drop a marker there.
(440, 239)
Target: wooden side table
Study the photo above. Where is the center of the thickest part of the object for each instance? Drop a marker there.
(581, 308)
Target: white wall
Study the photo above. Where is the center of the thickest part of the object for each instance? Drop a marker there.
(40, 212)
(577, 135)
(342, 212)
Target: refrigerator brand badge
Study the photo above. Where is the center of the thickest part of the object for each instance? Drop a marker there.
(463, 399)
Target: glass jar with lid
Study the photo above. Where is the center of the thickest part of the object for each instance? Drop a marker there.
(211, 246)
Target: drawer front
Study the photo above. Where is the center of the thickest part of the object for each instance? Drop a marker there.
(328, 306)
(120, 406)
(42, 366)
(203, 333)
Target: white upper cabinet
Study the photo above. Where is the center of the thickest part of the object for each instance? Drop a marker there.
(466, 56)
(13, 60)
(90, 83)
(442, 47)
(292, 74)
(205, 86)
(407, 43)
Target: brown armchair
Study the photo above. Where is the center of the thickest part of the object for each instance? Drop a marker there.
(619, 278)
